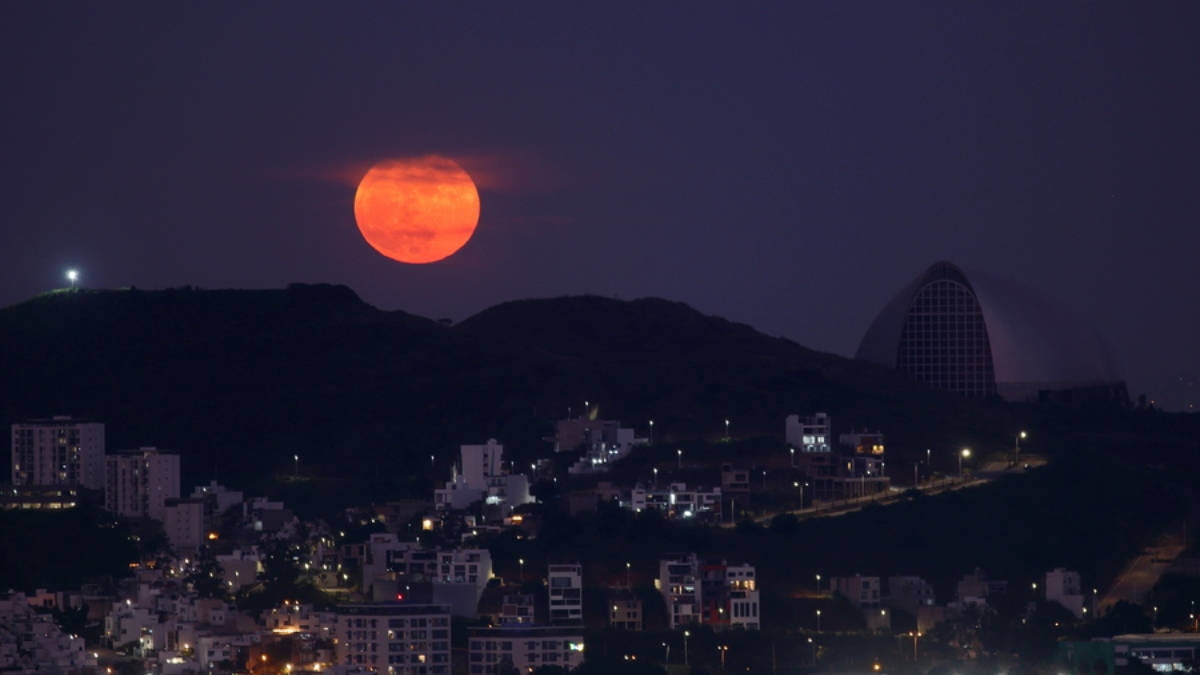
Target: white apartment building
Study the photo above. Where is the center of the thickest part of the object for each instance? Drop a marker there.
(809, 434)
(525, 648)
(138, 483)
(742, 592)
(566, 595)
(1064, 587)
(480, 475)
(58, 451)
(395, 638)
(678, 501)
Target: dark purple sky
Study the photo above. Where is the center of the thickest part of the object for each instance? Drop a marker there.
(788, 165)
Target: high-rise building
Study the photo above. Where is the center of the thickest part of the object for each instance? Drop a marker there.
(58, 451)
(138, 483)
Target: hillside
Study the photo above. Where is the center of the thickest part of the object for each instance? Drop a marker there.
(241, 381)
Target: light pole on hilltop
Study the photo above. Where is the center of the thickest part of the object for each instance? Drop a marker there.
(929, 459)
(651, 432)
(72, 275)
(296, 472)
(726, 429)
(966, 452)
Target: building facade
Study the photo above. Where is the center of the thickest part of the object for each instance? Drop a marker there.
(138, 483)
(525, 648)
(58, 451)
(395, 638)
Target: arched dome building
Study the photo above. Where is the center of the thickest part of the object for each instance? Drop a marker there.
(979, 335)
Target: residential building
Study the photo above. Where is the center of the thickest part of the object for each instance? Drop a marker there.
(678, 501)
(1063, 586)
(566, 595)
(183, 523)
(480, 475)
(910, 594)
(525, 648)
(809, 434)
(398, 638)
(862, 592)
(709, 591)
(138, 483)
(58, 451)
(517, 608)
(625, 609)
(678, 581)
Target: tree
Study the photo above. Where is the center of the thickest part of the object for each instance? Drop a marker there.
(206, 577)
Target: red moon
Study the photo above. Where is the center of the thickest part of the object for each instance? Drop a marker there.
(417, 210)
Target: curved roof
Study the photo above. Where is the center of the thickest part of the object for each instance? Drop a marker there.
(1035, 340)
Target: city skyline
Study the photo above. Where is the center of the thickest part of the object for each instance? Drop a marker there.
(785, 167)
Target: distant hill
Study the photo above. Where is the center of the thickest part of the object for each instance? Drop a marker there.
(240, 381)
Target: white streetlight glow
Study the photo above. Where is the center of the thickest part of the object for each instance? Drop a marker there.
(72, 275)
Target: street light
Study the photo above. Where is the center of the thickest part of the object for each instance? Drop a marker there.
(685, 651)
(627, 577)
(793, 451)
(521, 563)
(723, 648)
(679, 452)
(651, 432)
(72, 275)
(667, 659)
(818, 621)
(656, 477)
(726, 429)
(966, 452)
(297, 472)
(818, 584)
(1017, 456)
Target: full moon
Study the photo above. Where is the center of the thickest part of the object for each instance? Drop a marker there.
(417, 210)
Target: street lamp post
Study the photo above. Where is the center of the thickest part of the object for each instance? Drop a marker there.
(818, 584)
(685, 649)
(726, 429)
(793, 451)
(628, 584)
(679, 454)
(1017, 455)
(656, 477)
(651, 432)
(296, 472)
(667, 658)
(966, 452)
(72, 275)
(818, 621)
(521, 563)
(723, 648)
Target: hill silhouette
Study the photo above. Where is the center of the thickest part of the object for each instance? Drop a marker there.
(241, 381)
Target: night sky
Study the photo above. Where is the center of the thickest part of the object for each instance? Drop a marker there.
(787, 165)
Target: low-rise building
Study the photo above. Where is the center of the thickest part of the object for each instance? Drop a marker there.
(397, 638)
(525, 648)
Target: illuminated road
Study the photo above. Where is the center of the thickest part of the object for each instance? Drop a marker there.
(1135, 583)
